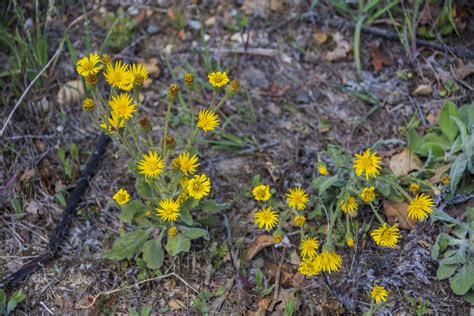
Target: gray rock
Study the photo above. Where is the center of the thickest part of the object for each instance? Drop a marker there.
(254, 77)
(152, 29)
(194, 25)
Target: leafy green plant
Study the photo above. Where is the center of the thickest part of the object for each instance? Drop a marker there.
(24, 45)
(120, 30)
(8, 304)
(451, 141)
(455, 252)
(145, 311)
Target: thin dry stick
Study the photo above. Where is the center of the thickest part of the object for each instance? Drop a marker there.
(58, 51)
(94, 299)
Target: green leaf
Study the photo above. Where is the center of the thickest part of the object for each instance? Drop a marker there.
(469, 297)
(384, 189)
(415, 142)
(153, 254)
(74, 150)
(3, 301)
(457, 171)
(467, 140)
(192, 232)
(130, 210)
(185, 216)
(61, 154)
(144, 190)
(462, 282)
(440, 245)
(255, 180)
(15, 299)
(446, 124)
(177, 244)
(212, 207)
(126, 246)
(446, 271)
(323, 183)
(467, 114)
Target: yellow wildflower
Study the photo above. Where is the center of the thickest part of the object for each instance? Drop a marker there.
(199, 186)
(121, 197)
(386, 236)
(368, 163)
(151, 165)
(218, 79)
(122, 106)
(297, 198)
(308, 248)
(88, 104)
(420, 207)
(261, 192)
(119, 76)
(172, 231)
(328, 261)
(379, 293)
(299, 220)
(266, 218)
(88, 66)
(139, 73)
(349, 205)
(367, 194)
(169, 210)
(208, 120)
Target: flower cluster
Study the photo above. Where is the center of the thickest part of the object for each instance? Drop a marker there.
(358, 182)
(167, 176)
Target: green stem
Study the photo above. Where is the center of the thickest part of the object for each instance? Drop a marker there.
(168, 111)
(376, 213)
(334, 217)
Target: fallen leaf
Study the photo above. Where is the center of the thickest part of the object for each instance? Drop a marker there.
(379, 59)
(464, 70)
(284, 296)
(440, 171)
(270, 269)
(422, 90)
(261, 242)
(32, 208)
(295, 258)
(182, 35)
(320, 37)
(404, 162)
(28, 174)
(176, 304)
(71, 92)
(276, 5)
(342, 49)
(396, 213)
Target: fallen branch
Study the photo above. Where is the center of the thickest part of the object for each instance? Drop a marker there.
(62, 227)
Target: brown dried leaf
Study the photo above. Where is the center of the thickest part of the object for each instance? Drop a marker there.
(320, 37)
(379, 59)
(422, 90)
(71, 92)
(256, 7)
(32, 208)
(342, 49)
(396, 213)
(276, 5)
(404, 162)
(463, 71)
(176, 304)
(152, 67)
(261, 242)
(28, 174)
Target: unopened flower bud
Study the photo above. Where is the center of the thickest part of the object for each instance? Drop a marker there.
(92, 80)
(173, 91)
(170, 142)
(88, 104)
(145, 124)
(188, 80)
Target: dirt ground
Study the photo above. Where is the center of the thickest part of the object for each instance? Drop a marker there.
(293, 103)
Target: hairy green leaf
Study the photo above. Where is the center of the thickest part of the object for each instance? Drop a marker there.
(192, 232)
(177, 244)
(126, 246)
(153, 254)
(446, 271)
(130, 210)
(446, 124)
(463, 281)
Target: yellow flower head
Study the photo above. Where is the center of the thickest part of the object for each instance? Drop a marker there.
(88, 66)
(182, 197)
(386, 236)
(277, 238)
(308, 268)
(88, 104)
(199, 186)
(266, 218)
(299, 220)
(368, 163)
(122, 106)
(261, 192)
(121, 197)
(349, 205)
(367, 194)
(151, 165)
(420, 207)
(350, 242)
(323, 170)
(208, 120)
(446, 180)
(188, 80)
(218, 79)
(119, 76)
(379, 293)
(114, 122)
(173, 91)
(172, 231)
(168, 211)
(92, 80)
(414, 187)
(139, 73)
(297, 198)
(328, 261)
(187, 164)
(308, 248)
(106, 60)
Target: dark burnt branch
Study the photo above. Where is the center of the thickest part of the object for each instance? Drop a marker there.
(62, 227)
